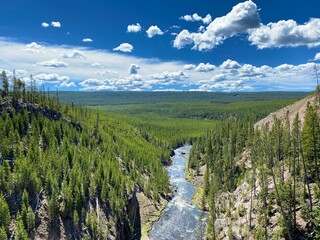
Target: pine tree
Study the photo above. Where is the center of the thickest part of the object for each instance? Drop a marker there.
(4, 213)
(3, 233)
(5, 84)
(21, 233)
(311, 140)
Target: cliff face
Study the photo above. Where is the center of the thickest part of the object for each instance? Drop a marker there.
(131, 228)
(238, 214)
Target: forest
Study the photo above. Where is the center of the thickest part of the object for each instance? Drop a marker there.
(275, 168)
(76, 160)
(60, 163)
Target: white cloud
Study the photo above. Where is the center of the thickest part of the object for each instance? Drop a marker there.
(87, 40)
(54, 63)
(218, 78)
(169, 77)
(113, 74)
(95, 65)
(189, 67)
(51, 77)
(92, 82)
(225, 86)
(195, 17)
(183, 39)
(317, 56)
(124, 47)
(249, 71)
(243, 17)
(107, 73)
(230, 64)
(56, 24)
(153, 31)
(202, 67)
(205, 67)
(286, 34)
(33, 48)
(74, 54)
(134, 28)
(133, 69)
(45, 25)
(66, 84)
(202, 29)
(168, 90)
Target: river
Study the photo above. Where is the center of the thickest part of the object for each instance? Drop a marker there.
(180, 219)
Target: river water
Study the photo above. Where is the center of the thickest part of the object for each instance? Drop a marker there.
(180, 219)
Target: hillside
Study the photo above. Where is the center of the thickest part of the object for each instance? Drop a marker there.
(67, 172)
(292, 110)
(262, 182)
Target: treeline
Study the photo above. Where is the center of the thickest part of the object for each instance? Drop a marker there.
(71, 160)
(281, 160)
(210, 110)
(128, 98)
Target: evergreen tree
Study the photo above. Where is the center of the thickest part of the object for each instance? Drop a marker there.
(5, 84)
(3, 234)
(4, 213)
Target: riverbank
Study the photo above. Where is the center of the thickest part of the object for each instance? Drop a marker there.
(149, 213)
(198, 181)
(180, 219)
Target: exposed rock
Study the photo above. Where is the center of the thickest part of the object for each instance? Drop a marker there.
(149, 212)
(298, 107)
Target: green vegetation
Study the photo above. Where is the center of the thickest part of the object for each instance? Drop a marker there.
(169, 119)
(77, 163)
(72, 157)
(286, 155)
(123, 98)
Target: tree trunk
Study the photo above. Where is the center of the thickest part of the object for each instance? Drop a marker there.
(306, 182)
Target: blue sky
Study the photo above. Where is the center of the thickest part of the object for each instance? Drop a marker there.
(207, 45)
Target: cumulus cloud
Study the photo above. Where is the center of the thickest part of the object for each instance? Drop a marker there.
(153, 31)
(286, 34)
(317, 56)
(45, 25)
(169, 77)
(155, 73)
(243, 17)
(54, 63)
(51, 77)
(56, 24)
(124, 47)
(107, 73)
(218, 78)
(33, 48)
(230, 64)
(249, 71)
(195, 17)
(226, 86)
(87, 40)
(133, 69)
(74, 54)
(202, 67)
(189, 67)
(66, 84)
(92, 82)
(205, 67)
(183, 39)
(134, 28)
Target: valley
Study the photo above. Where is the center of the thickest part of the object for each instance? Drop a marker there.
(103, 171)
